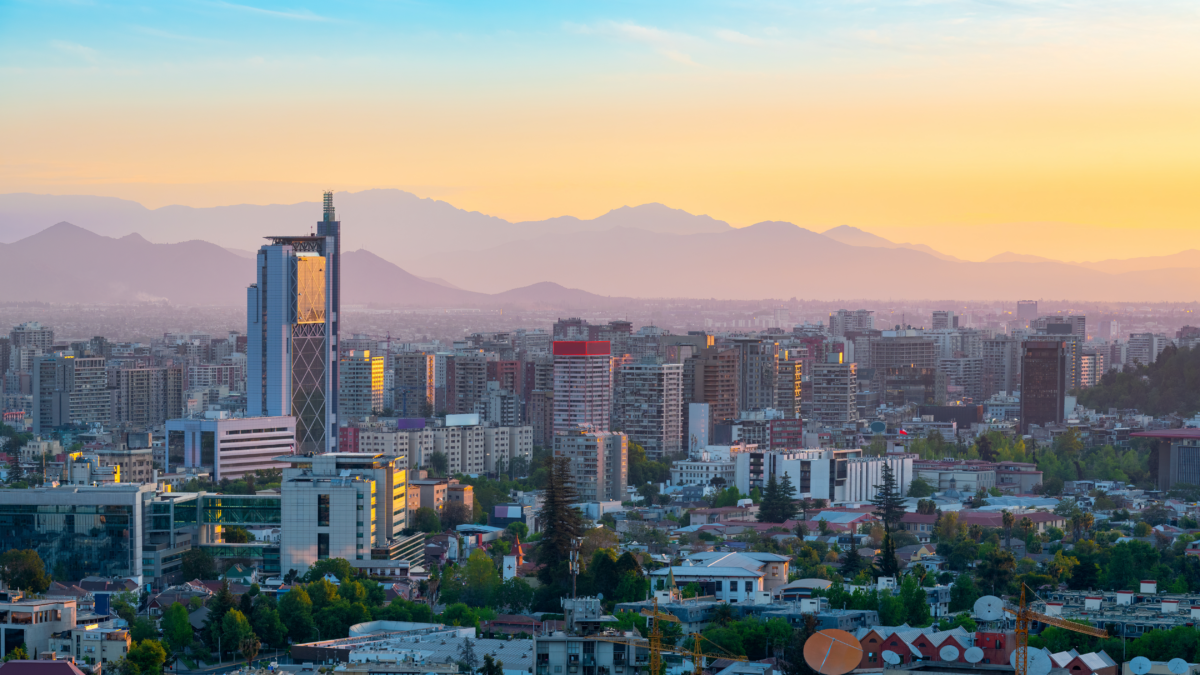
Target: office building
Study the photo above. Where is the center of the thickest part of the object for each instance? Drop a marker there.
(79, 531)
(361, 387)
(944, 320)
(599, 462)
(648, 405)
(345, 505)
(292, 322)
(583, 385)
(33, 623)
(904, 385)
(834, 387)
(1044, 382)
(904, 348)
(229, 447)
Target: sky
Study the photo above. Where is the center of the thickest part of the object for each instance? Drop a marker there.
(944, 121)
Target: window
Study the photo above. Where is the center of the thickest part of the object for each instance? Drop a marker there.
(322, 510)
(322, 545)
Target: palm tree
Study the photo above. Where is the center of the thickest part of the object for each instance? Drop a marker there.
(975, 532)
(1076, 524)
(1026, 528)
(249, 648)
(1087, 521)
(1008, 519)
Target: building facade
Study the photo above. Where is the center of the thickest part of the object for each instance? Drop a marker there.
(1043, 382)
(648, 405)
(599, 462)
(229, 447)
(583, 385)
(361, 386)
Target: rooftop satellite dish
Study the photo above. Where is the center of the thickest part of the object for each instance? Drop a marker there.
(989, 608)
(1140, 665)
(973, 655)
(1177, 666)
(832, 652)
(599, 596)
(948, 653)
(891, 657)
(1038, 662)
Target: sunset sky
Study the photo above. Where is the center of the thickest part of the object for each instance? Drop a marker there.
(917, 120)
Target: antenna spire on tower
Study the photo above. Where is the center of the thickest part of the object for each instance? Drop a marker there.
(329, 213)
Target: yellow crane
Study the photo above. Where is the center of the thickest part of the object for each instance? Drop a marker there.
(697, 654)
(1025, 616)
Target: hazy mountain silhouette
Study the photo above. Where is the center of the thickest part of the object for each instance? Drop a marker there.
(856, 237)
(1009, 256)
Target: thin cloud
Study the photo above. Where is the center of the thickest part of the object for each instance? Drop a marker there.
(737, 38)
(86, 53)
(666, 43)
(298, 15)
(677, 57)
(146, 30)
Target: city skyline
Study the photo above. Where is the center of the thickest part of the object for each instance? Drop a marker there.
(913, 121)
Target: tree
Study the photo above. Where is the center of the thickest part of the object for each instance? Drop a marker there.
(267, 625)
(142, 629)
(249, 648)
(851, 564)
(24, 569)
(889, 504)
(963, 594)
(455, 514)
(1008, 520)
(516, 594)
(466, 655)
(518, 528)
(221, 604)
(235, 628)
(237, 535)
(147, 656)
(439, 463)
(926, 507)
(491, 666)
(916, 604)
(177, 631)
(920, 488)
(996, 570)
(198, 563)
(562, 523)
(426, 519)
(338, 567)
(984, 447)
(296, 610)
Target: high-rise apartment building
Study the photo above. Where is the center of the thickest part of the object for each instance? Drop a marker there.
(1092, 367)
(599, 462)
(361, 386)
(904, 348)
(1144, 348)
(965, 375)
(292, 323)
(1001, 365)
(148, 396)
(944, 320)
(712, 376)
(583, 385)
(466, 382)
(759, 366)
(835, 387)
(1027, 310)
(789, 385)
(70, 390)
(843, 321)
(32, 334)
(414, 384)
(1043, 382)
(648, 405)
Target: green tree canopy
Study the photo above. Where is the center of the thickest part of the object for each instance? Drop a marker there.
(24, 569)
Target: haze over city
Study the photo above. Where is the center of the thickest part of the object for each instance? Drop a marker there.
(369, 337)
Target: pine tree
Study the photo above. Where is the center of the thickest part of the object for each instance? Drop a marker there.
(561, 524)
(787, 498)
(889, 565)
(851, 564)
(220, 605)
(770, 499)
(889, 503)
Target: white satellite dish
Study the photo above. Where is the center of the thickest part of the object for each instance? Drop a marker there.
(989, 608)
(974, 655)
(948, 653)
(1140, 665)
(891, 657)
(1038, 661)
(1177, 666)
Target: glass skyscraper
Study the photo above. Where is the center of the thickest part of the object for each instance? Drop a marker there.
(292, 332)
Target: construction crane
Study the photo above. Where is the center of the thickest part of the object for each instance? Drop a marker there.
(697, 654)
(1025, 616)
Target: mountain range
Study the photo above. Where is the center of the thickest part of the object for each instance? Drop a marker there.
(404, 251)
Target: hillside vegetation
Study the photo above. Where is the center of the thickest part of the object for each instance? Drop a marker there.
(1169, 385)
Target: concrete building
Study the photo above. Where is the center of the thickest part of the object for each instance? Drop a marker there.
(583, 385)
(148, 396)
(964, 376)
(1001, 365)
(292, 330)
(944, 319)
(413, 394)
(345, 505)
(1092, 367)
(843, 321)
(433, 492)
(1027, 310)
(70, 390)
(789, 386)
(91, 644)
(758, 368)
(79, 531)
(967, 477)
(1144, 348)
(33, 622)
(648, 405)
(599, 462)
(744, 577)
(703, 471)
(711, 376)
(466, 382)
(361, 385)
(463, 446)
(837, 476)
(505, 447)
(834, 387)
(501, 406)
(229, 447)
(1043, 382)
(905, 347)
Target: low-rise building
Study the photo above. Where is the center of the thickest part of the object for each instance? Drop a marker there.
(92, 644)
(33, 622)
(733, 577)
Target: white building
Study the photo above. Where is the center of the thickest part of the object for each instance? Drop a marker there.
(837, 476)
(599, 462)
(583, 385)
(229, 447)
(702, 471)
(732, 577)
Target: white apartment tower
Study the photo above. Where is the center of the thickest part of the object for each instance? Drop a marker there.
(599, 462)
(648, 405)
(583, 385)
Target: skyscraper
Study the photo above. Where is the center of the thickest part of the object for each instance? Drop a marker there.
(1027, 310)
(1043, 382)
(292, 326)
(648, 405)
